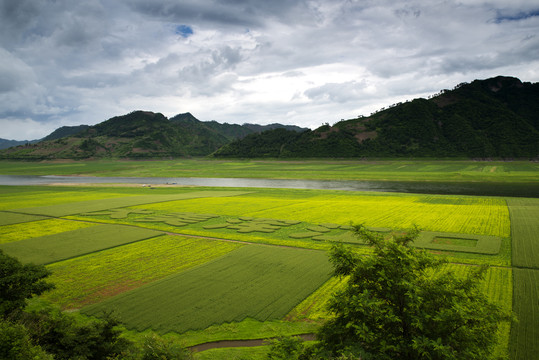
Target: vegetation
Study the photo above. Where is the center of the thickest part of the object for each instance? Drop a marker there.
(267, 281)
(524, 214)
(52, 248)
(140, 134)
(398, 304)
(97, 278)
(106, 273)
(45, 333)
(487, 118)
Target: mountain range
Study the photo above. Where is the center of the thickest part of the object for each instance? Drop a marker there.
(139, 134)
(496, 117)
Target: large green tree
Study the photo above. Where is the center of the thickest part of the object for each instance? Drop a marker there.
(401, 304)
(19, 282)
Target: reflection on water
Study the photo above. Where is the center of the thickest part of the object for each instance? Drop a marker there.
(460, 188)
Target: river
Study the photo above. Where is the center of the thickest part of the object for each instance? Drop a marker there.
(453, 188)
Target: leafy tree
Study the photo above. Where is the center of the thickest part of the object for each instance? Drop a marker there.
(19, 282)
(156, 348)
(285, 348)
(400, 304)
(15, 344)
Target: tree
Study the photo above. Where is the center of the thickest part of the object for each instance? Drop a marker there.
(401, 304)
(19, 282)
(15, 344)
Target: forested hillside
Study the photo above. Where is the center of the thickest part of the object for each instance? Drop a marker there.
(497, 117)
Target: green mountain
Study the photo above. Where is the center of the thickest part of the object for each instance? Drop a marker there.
(65, 131)
(497, 117)
(140, 134)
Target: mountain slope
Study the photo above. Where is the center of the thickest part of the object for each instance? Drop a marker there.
(496, 117)
(139, 134)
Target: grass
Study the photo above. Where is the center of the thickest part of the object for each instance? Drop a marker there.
(259, 282)
(51, 248)
(480, 244)
(525, 227)
(32, 229)
(525, 331)
(97, 276)
(524, 217)
(386, 170)
(267, 216)
(7, 218)
(77, 207)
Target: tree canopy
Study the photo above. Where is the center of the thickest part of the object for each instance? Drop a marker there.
(19, 282)
(401, 304)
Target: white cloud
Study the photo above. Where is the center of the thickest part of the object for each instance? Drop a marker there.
(303, 61)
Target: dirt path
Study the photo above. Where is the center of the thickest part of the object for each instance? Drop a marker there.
(241, 343)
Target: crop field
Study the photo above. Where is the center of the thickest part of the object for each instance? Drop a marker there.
(525, 332)
(525, 213)
(525, 246)
(460, 214)
(7, 218)
(259, 282)
(51, 248)
(33, 229)
(103, 274)
(187, 261)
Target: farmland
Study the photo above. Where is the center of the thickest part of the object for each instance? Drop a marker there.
(181, 260)
(402, 170)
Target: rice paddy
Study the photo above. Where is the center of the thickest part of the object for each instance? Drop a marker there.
(186, 260)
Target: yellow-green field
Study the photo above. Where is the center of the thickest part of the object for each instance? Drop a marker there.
(205, 232)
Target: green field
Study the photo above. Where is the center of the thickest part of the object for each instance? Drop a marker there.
(239, 263)
(525, 236)
(391, 170)
(51, 248)
(259, 282)
(103, 274)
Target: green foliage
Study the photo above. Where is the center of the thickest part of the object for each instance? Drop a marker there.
(157, 348)
(15, 344)
(398, 304)
(285, 348)
(61, 335)
(266, 144)
(19, 282)
(489, 118)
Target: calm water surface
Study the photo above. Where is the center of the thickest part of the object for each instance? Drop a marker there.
(461, 188)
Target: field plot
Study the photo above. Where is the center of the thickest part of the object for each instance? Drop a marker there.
(65, 245)
(260, 282)
(8, 218)
(21, 231)
(525, 232)
(94, 277)
(525, 332)
(456, 214)
(102, 205)
(479, 244)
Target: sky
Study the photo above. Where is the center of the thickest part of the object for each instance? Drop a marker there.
(301, 62)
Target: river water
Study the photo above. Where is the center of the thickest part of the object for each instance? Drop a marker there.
(454, 188)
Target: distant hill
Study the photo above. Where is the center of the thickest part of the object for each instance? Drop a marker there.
(497, 117)
(5, 143)
(139, 134)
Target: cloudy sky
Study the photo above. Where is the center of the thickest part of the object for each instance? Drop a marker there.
(304, 62)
